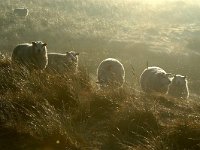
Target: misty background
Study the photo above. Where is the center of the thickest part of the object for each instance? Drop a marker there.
(163, 33)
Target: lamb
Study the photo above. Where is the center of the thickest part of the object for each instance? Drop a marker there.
(62, 63)
(110, 73)
(31, 56)
(179, 87)
(22, 12)
(155, 80)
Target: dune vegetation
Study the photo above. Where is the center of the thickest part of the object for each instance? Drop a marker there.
(46, 111)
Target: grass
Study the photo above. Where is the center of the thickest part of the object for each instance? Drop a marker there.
(54, 111)
(44, 111)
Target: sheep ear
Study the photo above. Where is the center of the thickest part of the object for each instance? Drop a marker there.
(34, 43)
(45, 44)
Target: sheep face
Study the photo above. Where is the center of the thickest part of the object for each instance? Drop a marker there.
(39, 55)
(179, 87)
(39, 47)
(179, 81)
(72, 56)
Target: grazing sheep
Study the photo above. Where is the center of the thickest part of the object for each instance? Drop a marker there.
(32, 56)
(154, 80)
(110, 73)
(179, 87)
(22, 12)
(63, 62)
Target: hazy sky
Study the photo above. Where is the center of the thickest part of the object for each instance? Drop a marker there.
(161, 1)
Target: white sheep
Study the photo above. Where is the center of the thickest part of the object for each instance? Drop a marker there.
(63, 62)
(32, 56)
(155, 80)
(22, 12)
(110, 73)
(179, 87)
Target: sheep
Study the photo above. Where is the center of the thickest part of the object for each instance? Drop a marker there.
(110, 73)
(31, 56)
(22, 12)
(154, 80)
(179, 87)
(62, 63)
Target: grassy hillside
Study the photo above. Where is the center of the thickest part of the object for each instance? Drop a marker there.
(54, 112)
